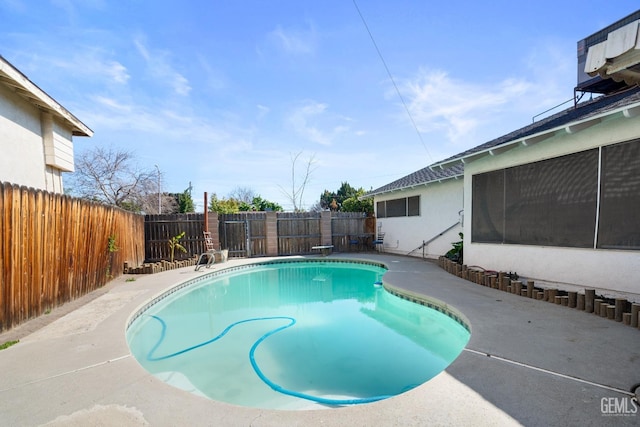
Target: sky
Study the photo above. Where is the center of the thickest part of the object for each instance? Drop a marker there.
(223, 94)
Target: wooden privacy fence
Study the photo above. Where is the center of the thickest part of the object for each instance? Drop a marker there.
(55, 248)
(159, 229)
(347, 228)
(256, 234)
(243, 234)
(298, 232)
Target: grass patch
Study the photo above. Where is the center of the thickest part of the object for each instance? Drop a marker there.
(131, 279)
(8, 344)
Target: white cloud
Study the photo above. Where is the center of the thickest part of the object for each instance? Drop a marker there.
(262, 111)
(313, 122)
(468, 112)
(198, 144)
(142, 49)
(159, 66)
(91, 64)
(292, 41)
(214, 76)
(117, 72)
(181, 84)
(438, 102)
(112, 104)
(553, 67)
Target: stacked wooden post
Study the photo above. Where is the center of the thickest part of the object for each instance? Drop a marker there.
(158, 267)
(618, 309)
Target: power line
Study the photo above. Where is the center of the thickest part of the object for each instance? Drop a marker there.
(392, 80)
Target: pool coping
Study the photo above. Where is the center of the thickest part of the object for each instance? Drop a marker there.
(422, 300)
(432, 303)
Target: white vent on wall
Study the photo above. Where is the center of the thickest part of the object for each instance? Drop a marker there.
(618, 57)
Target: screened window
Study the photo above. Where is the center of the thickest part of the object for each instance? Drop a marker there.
(555, 202)
(413, 206)
(487, 217)
(619, 225)
(552, 202)
(406, 206)
(396, 207)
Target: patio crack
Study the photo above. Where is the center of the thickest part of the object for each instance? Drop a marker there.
(84, 368)
(550, 372)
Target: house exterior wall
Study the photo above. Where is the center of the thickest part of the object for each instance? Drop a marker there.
(440, 206)
(610, 271)
(35, 147)
(58, 145)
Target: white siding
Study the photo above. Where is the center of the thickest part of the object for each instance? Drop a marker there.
(58, 144)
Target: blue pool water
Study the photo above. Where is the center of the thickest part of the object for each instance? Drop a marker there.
(294, 335)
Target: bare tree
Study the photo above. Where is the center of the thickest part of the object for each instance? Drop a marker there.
(297, 188)
(242, 194)
(316, 207)
(110, 176)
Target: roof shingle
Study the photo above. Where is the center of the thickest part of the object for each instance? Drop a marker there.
(599, 106)
(585, 110)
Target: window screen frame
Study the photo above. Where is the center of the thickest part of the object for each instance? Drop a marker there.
(619, 207)
(413, 206)
(590, 197)
(397, 208)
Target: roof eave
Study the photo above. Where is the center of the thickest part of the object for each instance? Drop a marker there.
(628, 111)
(11, 76)
(409, 187)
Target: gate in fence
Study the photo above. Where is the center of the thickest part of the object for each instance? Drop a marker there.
(245, 234)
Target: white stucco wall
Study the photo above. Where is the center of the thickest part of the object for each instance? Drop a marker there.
(35, 148)
(610, 271)
(440, 204)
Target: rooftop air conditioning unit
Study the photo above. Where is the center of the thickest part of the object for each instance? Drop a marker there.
(609, 60)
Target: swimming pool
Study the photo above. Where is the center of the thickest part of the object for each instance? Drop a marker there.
(293, 335)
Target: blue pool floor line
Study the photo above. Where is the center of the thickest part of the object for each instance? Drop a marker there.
(254, 364)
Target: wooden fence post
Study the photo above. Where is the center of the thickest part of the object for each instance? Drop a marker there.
(206, 213)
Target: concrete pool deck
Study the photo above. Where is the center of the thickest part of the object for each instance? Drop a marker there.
(528, 362)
